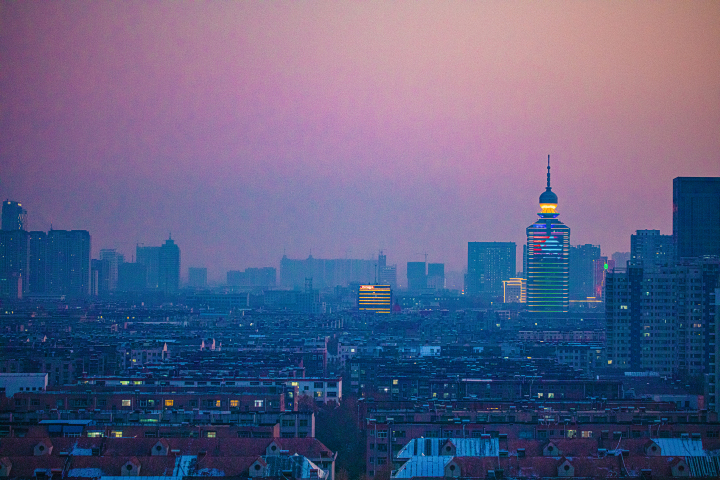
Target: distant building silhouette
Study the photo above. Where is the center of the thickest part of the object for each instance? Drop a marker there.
(582, 258)
(100, 277)
(548, 263)
(416, 275)
(253, 277)
(68, 262)
(132, 277)
(386, 274)
(14, 265)
(621, 259)
(650, 249)
(38, 265)
(325, 272)
(169, 267)
(197, 277)
(14, 217)
(489, 264)
(114, 259)
(150, 258)
(436, 276)
(696, 216)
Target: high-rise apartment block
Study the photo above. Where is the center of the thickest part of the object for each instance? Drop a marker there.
(548, 263)
(663, 319)
(489, 264)
(326, 272)
(68, 262)
(436, 276)
(150, 257)
(114, 259)
(650, 249)
(582, 258)
(14, 217)
(169, 267)
(14, 265)
(416, 275)
(696, 216)
(386, 274)
(253, 277)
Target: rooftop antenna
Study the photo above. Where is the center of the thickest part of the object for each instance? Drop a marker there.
(548, 172)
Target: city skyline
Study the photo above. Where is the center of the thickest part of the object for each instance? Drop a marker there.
(249, 130)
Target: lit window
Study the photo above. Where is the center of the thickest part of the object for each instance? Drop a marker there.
(217, 403)
(116, 433)
(126, 403)
(169, 403)
(211, 434)
(258, 403)
(234, 403)
(395, 382)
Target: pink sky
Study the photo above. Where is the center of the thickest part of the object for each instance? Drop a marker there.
(251, 128)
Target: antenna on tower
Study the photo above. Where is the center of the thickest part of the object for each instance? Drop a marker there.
(548, 181)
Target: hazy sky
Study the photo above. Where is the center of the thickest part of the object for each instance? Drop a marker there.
(252, 128)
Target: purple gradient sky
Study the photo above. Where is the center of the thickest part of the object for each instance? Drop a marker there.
(249, 128)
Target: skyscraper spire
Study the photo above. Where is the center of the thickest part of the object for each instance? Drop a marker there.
(548, 185)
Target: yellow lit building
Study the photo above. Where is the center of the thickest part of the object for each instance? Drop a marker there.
(514, 290)
(375, 298)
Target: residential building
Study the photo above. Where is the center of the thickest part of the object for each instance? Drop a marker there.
(489, 264)
(696, 216)
(650, 249)
(14, 217)
(582, 258)
(68, 262)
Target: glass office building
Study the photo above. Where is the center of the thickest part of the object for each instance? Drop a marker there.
(548, 258)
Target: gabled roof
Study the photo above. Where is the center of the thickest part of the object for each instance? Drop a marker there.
(464, 447)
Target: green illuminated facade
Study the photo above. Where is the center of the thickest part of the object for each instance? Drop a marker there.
(548, 258)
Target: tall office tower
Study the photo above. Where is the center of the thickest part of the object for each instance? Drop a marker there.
(436, 276)
(416, 275)
(621, 259)
(601, 267)
(548, 245)
(38, 274)
(100, 277)
(169, 267)
(150, 257)
(582, 270)
(650, 249)
(387, 274)
(114, 259)
(696, 216)
(197, 277)
(68, 262)
(489, 264)
(14, 266)
(14, 217)
(663, 319)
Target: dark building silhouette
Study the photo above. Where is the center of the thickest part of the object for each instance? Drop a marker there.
(489, 264)
(14, 266)
(68, 262)
(387, 274)
(132, 277)
(326, 272)
(696, 216)
(548, 263)
(416, 275)
(650, 249)
(253, 277)
(100, 277)
(197, 277)
(436, 276)
(14, 217)
(150, 258)
(37, 263)
(582, 270)
(169, 267)
(621, 259)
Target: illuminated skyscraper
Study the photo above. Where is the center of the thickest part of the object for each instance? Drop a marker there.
(548, 262)
(375, 298)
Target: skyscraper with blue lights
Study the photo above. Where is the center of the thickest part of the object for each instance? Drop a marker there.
(548, 258)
